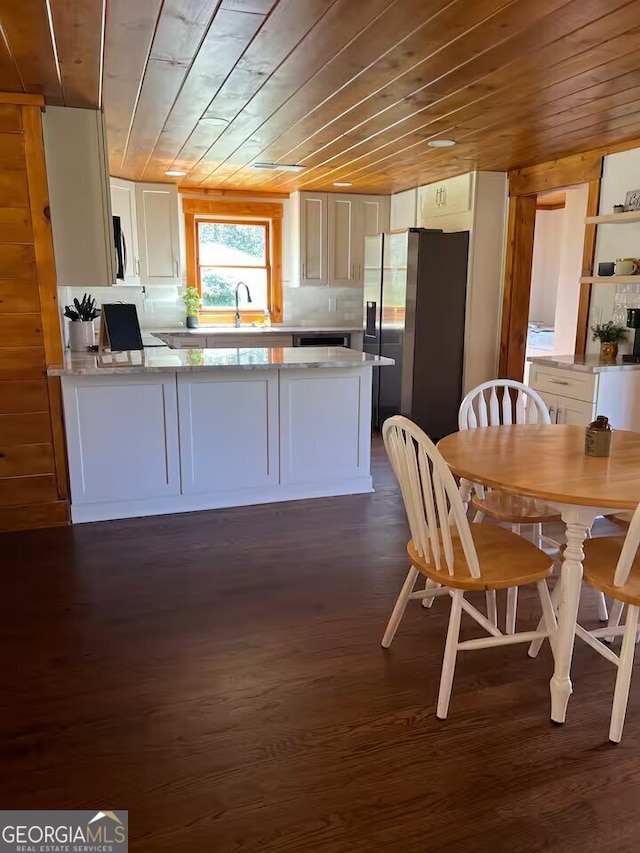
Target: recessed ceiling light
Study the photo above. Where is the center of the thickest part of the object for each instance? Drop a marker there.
(342, 183)
(441, 143)
(283, 167)
(212, 121)
(174, 173)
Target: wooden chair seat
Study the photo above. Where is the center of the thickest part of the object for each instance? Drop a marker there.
(622, 518)
(506, 560)
(516, 509)
(601, 559)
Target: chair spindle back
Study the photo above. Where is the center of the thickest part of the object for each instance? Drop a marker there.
(517, 404)
(433, 505)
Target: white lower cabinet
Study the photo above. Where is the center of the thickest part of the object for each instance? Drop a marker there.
(325, 429)
(228, 431)
(564, 410)
(575, 397)
(122, 433)
(148, 444)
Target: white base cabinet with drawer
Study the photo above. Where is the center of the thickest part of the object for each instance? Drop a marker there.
(575, 397)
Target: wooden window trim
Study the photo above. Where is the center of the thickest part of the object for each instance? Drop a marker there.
(239, 212)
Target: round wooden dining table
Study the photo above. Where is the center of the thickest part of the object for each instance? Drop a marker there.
(548, 462)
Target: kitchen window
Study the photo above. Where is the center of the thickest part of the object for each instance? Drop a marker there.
(228, 253)
(225, 249)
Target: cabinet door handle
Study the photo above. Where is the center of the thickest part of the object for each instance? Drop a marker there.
(353, 271)
(137, 266)
(558, 382)
(552, 414)
(559, 416)
(303, 270)
(177, 268)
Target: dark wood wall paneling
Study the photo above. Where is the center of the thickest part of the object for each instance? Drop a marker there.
(351, 90)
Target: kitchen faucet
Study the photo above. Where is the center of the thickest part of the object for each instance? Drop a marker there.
(249, 299)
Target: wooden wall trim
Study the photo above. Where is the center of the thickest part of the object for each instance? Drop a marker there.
(211, 207)
(557, 206)
(22, 99)
(43, 238)
(515, 310)
(195, 208)
(577, 169)
(588, 258)
(222, 193)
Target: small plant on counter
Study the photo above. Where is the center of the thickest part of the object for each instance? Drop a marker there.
(610, 335)
(192, 302)
(84, 311)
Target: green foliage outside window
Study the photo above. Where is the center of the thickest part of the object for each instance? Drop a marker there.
(224, 245)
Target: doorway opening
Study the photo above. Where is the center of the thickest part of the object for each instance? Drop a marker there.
(554, 300)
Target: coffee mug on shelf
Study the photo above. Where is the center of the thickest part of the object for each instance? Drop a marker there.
(626, 266)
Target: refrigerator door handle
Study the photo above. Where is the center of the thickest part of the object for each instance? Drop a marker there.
(370, 327)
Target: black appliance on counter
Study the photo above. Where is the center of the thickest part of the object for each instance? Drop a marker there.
(415, 286)
(120, 248)
(633, 322)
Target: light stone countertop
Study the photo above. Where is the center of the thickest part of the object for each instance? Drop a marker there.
(166, 360)
(581, 363)
(246, 329)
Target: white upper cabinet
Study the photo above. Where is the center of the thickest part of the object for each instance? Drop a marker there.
(328, 235)
(403, 210)
(444, 198)
(313, 238)
(343, 239)
(123, 204)
(79, 200)
(373, 215)
(157, 214)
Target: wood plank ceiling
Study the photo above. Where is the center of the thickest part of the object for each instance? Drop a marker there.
(351, 89)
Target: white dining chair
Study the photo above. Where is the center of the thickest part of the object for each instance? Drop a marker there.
(612, 566)
(516, 403)
(456, 557)
(502, 402)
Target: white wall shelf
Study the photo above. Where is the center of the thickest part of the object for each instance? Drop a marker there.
(614, 218)
(610, 279)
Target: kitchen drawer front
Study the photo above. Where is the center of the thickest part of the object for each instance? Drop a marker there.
(577, 386)
(250, 341)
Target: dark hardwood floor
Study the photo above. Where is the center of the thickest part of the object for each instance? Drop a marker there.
(219, 674)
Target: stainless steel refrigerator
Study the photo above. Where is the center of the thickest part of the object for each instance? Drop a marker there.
(415, 285)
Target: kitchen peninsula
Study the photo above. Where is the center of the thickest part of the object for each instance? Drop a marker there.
(175, 430)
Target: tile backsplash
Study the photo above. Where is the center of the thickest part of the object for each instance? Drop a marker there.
(327, 306)
(160, 307)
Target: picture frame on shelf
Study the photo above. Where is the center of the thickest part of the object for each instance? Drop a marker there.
(632, 200)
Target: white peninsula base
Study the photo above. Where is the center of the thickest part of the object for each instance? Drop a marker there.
(148, 443)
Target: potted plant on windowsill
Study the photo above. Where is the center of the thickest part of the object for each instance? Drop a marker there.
(192, 301)
(82, 314)
(610, 335)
